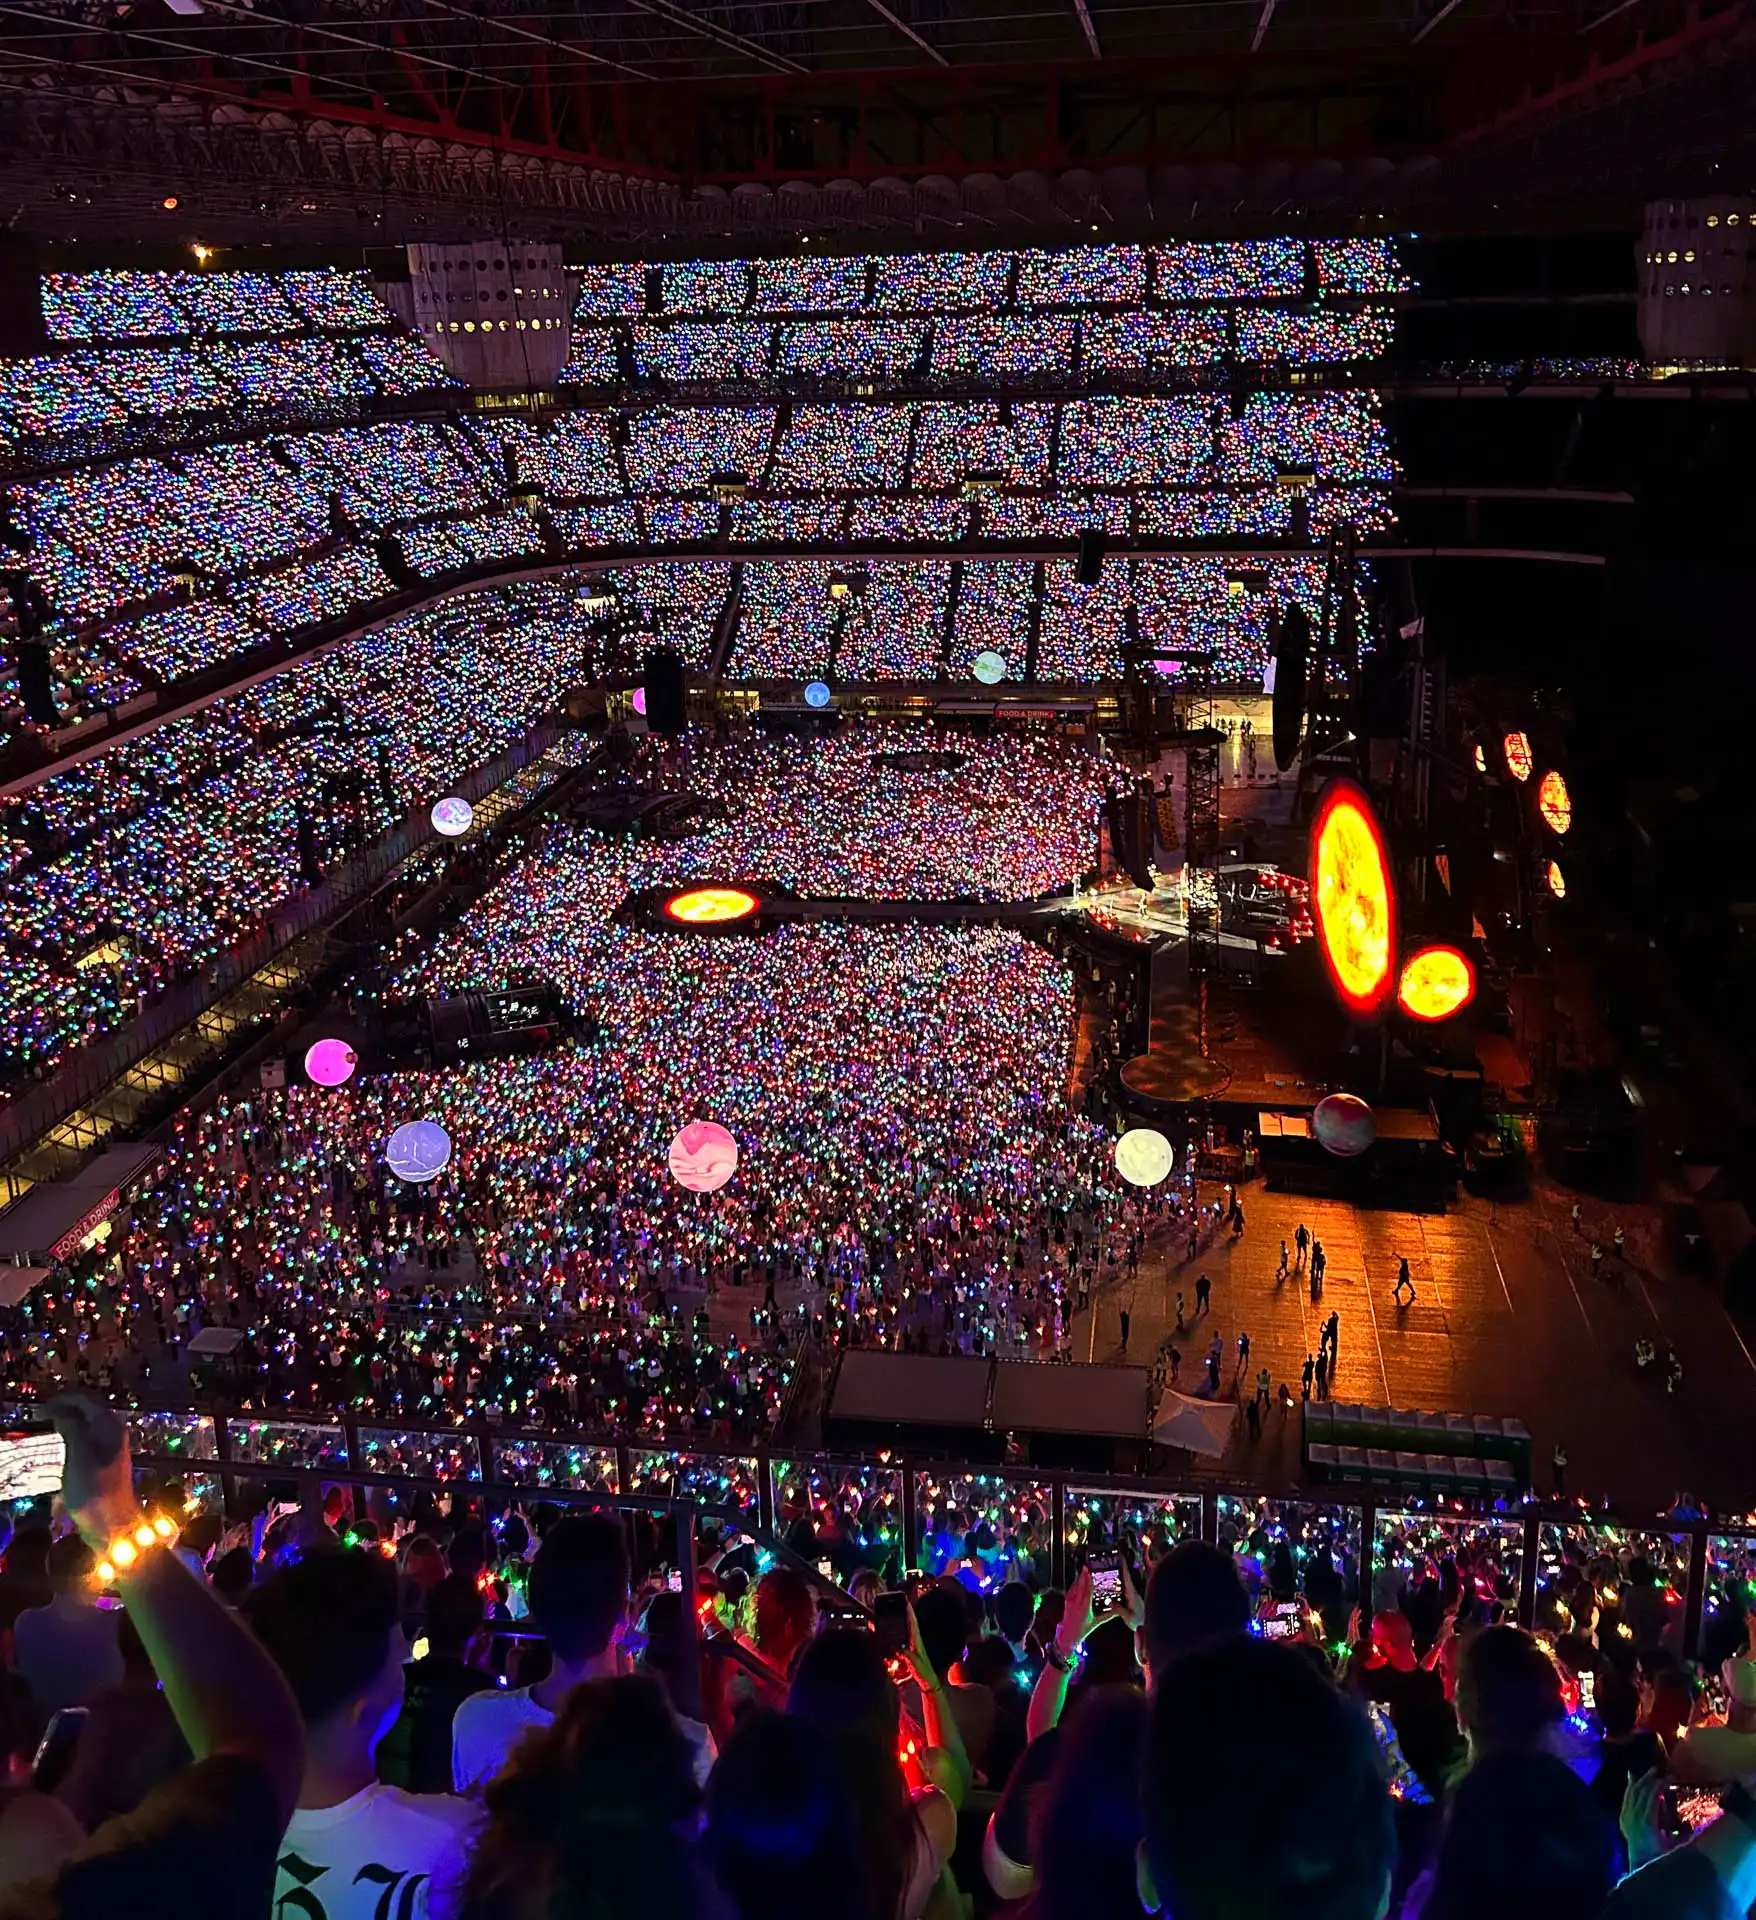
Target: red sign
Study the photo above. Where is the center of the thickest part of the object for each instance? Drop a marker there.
(71, 1241)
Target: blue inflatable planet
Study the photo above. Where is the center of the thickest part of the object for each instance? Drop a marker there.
(816, 694)
(418, 1151)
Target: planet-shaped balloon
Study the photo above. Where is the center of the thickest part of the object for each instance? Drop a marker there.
(331, 1063)
(1144, 1156)
(816, 694)
(452, 816)
(703, 1156)
(418, 1151)
(989, 669)
(639, 701)
(1344, 1125)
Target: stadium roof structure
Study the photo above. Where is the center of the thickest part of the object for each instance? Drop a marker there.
(689, 124)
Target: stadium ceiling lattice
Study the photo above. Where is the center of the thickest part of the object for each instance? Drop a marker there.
(676, 120)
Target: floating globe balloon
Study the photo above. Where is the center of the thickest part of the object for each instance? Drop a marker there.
(639, 701)
(452, 816)
(703, 1156)
(1144, 1156)
(989, 669)
(1344, 1125)
(418, 1151)
(816, 694)
(330, 1063)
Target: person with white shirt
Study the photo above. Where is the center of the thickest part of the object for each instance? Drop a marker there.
(578, 1596)
(354, 1849)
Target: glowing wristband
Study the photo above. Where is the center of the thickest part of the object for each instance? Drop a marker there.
(125, 1551)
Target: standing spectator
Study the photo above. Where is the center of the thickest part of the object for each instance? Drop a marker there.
(68, 1650)
(906, 1837)
(785, 1617)
(596, 1814)
(578, 1593)
(783, 1827)
(416, 1752)
(1088, 1828)
(332, 1622)
(1247, 1824)
(672, 1654)
(1523, 1839)
(944, 1627)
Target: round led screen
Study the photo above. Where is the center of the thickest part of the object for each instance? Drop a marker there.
(711, 906)
(1353, 897)
(1435, 983)
(1554, 802)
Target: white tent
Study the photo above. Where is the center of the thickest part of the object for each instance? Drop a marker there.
(1197, 1426)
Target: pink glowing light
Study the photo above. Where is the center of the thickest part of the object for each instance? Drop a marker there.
(331, 1063)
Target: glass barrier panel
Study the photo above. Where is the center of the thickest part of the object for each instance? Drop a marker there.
(1608, 1583)
(425, 1456)
(1728, 1593)
(991, 1527)
(203, 1490)
(706, 1479)
(557, 1464)
(1286, 1549)
(1422, 1559)
(848, 1513)
(292, 1447)
(1141, 1526)
(187, 1436)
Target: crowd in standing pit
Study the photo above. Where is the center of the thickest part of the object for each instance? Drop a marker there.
(911, 1168)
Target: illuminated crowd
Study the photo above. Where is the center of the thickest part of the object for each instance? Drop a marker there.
(899, 1095)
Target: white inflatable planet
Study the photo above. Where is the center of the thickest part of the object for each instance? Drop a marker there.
(989, 669)
(331, 1063)
(1344, 1125)
(1144, 1156)
(418, 1151)
(452, 816)
(703, 1156)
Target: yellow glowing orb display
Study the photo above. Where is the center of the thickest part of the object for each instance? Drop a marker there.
(1436, 983)
(1555, 803)
(1353, 897)
(711, 906)
(1557, 880)
(1516, 747)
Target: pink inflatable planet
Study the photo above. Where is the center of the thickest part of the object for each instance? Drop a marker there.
(331, 1063)
(703, 1157)
(1344, 1125)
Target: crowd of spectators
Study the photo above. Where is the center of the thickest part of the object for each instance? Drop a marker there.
(407, 1702)
(159, 568)
(123, 875)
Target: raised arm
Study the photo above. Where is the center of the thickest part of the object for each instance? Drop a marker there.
(226, 1694)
